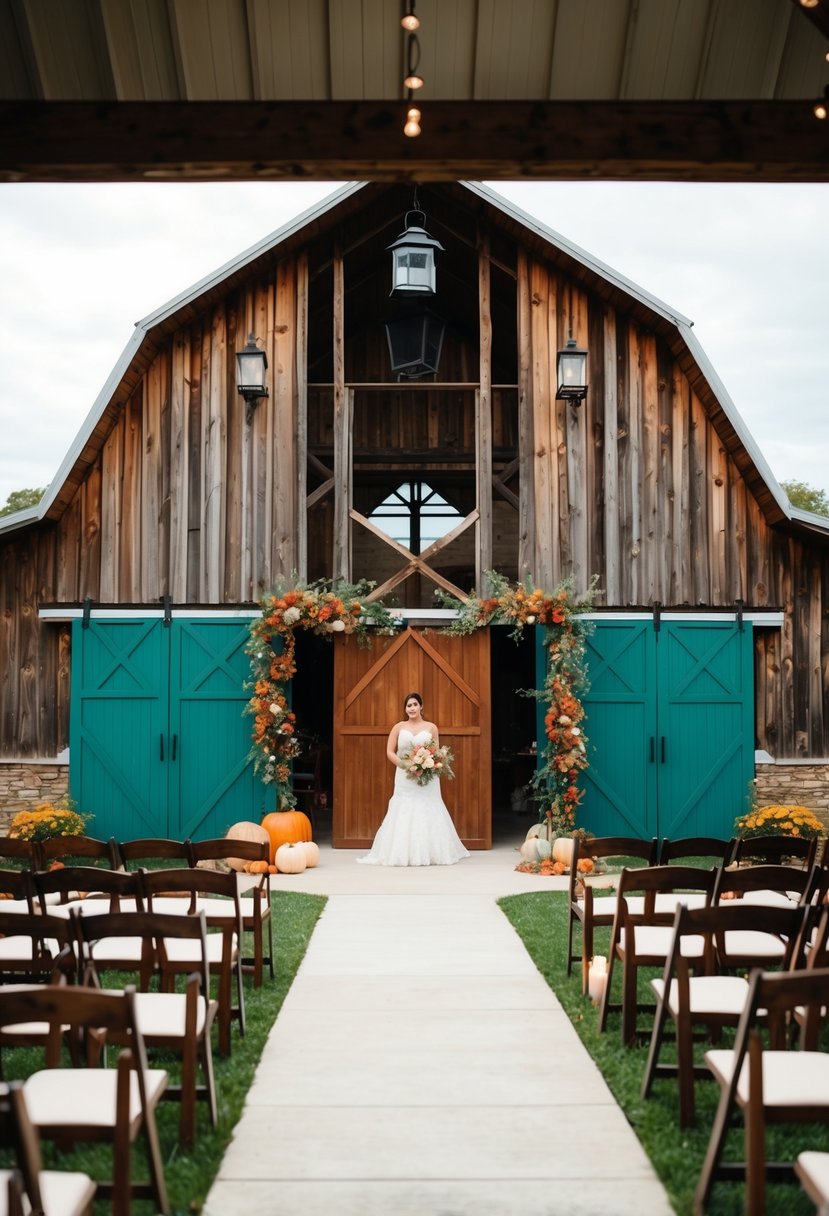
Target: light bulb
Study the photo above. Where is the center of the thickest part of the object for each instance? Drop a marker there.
(809, 3)
(819, 109)
(410, 22)
(412, 126)
(413, 82)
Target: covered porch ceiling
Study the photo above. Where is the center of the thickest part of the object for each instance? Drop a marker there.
(130, 90)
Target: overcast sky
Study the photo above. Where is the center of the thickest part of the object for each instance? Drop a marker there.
(79, 265)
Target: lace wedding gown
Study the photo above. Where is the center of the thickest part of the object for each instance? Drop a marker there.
(417, 829)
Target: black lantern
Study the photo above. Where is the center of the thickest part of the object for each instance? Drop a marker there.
(415, 340)
(251, 364)
(572, 373)
(413, 258)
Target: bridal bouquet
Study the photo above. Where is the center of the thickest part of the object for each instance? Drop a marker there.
(426, 761)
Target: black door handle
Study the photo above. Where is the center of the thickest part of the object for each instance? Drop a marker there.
(662, 748)
(161, 747)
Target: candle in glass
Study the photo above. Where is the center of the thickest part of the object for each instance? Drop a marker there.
(597, 978)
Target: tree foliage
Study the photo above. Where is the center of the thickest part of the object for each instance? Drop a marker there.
(19, 500)
(806, 497)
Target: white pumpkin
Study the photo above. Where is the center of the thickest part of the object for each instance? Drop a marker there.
(543, 848)
(245, 830)
(563, 850)
(528, 850)
(534, 831)
(312, 853)
(290, 858)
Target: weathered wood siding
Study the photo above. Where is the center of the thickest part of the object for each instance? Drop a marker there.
(186, 499)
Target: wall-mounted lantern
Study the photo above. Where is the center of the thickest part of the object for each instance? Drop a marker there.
(251, 365)
(415, 341)
(413, 258)
(572, 373)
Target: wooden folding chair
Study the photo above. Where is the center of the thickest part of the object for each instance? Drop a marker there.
(104, 852)
(113, 1105)
(31, 945)
(121, 891)
(135, 854)
(772, 850)
(179, 1022)
(18, 889)
(768, 1084)
(582, 906)
(193, 890)
(642, 931)
(714, 847)
(777, 885)
(715, 997)
(35, 1190)
(813, 1171)
(254, 892)
(25, 853)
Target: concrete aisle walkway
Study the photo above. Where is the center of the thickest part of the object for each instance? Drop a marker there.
(421, 1066)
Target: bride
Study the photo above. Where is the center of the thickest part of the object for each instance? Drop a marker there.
(417, 829)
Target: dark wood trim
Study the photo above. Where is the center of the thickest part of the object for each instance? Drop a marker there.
(740, 140)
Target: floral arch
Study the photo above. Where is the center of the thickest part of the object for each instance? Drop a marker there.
(346, 608)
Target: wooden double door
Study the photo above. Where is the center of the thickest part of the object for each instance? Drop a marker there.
(452, 674)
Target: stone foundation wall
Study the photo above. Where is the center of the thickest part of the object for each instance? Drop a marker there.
(795, 784)
(25, 783)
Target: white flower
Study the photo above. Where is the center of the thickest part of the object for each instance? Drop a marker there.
(565, 720)
(531, 620)
(276, 710)
(575, 731)
(291, 615)
(273, 759)
(337, 626)
(428, 762)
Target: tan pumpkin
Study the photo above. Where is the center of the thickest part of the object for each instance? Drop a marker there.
(245, 830)
(286, 827)
(563, 850)
(312, 853)
(290, 858)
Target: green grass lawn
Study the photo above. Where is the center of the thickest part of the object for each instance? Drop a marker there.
(189, 1175)
(541, 921)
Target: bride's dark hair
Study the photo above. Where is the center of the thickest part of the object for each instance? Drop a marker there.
(412, 696)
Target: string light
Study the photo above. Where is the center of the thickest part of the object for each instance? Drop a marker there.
(412, 126)
(821, 108)
(412, 80)
(409, 21)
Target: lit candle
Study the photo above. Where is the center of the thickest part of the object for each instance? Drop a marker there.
(597, 978)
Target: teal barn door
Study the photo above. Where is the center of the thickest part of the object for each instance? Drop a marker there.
(158, 741)
(706, 724)
(118, 726)
(213, 784)
(620, 797)
(670, 727)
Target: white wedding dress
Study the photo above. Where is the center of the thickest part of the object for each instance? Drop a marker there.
(417, 829)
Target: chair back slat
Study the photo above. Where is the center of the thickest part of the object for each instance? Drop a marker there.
(90, 847)
(696, 846)
(740, 880)
(133, 853)
(773, 849)
(68, 881)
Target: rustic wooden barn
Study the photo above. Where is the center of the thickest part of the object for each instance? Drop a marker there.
(127, 591)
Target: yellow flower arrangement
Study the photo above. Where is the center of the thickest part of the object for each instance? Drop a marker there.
(779, 821)
(48, 820)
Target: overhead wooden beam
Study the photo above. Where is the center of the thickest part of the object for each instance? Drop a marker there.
(254, 141)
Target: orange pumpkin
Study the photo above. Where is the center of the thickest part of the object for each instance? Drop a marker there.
(286, 827)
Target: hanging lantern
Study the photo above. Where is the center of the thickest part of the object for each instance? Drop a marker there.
(572, 373)
(415, 341)
(413, 259)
